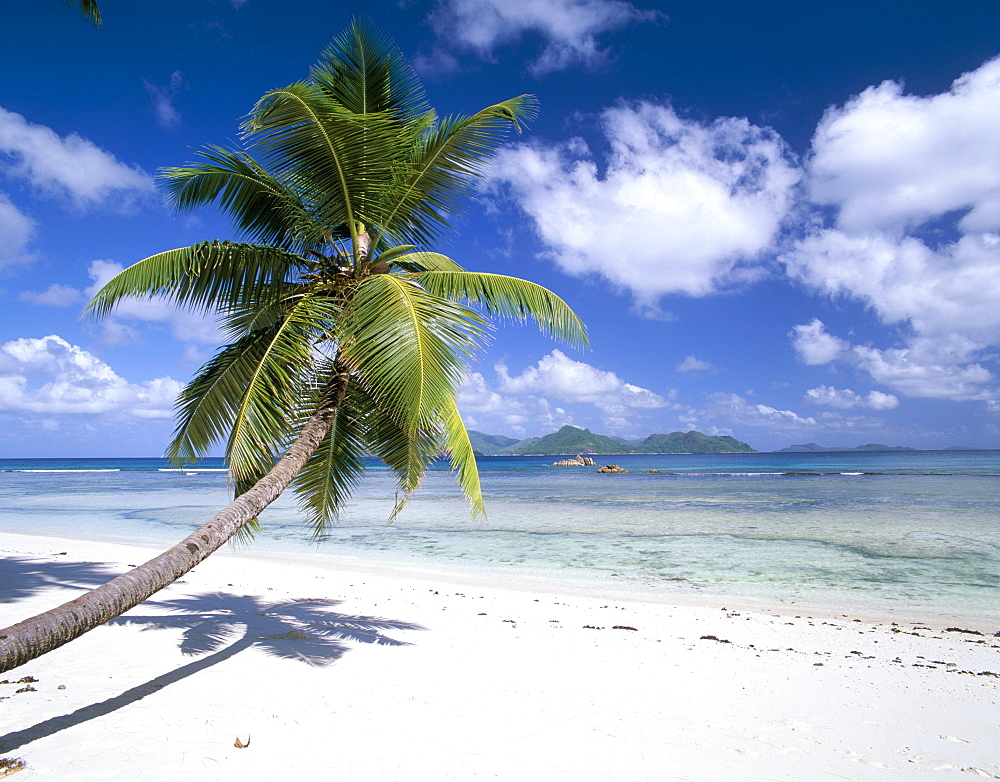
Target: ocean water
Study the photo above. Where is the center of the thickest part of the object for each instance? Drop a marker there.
(909, 533)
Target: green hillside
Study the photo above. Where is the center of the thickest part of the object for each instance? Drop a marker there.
(490, 444)
(568, 441)
(571, 440)
(690, 442)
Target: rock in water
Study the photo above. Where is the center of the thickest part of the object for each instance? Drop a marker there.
(577, 461)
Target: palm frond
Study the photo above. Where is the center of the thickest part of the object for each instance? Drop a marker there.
(406, 449)
(204, 277)
(364, 71)
(265, 209)
(423, 262)
(463, 457)
(409, 346)
(444, 166)
(208, 404)
(509, 297)
(269, 411)
(335, 470)
(345, 161)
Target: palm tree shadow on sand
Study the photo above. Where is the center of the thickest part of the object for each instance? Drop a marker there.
(21, 577)
(304, 629)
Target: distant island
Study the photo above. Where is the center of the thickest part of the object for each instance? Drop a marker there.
(814, 448)
(571, 440)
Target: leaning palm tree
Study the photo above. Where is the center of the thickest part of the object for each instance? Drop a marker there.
(344, 339)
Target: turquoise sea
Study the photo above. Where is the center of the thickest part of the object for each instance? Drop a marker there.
(914, 533)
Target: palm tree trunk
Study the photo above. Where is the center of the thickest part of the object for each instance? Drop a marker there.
(34, 637)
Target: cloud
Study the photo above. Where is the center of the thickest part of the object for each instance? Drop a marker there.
(475, 396)
(936, 368)
(556, 375)
(681, 207)
(55, 295)
(845, 398)
(733, 407)
(484, 408)
(890, 164)
(16, 230)
(815, 345)
(70, 167)
(437, 64)
(569, 28)
(944, 299)
(164, 111)
(690, 364)
(915, 374)
(49, 376)
(184, 325)
(889, 160)
(951, 290)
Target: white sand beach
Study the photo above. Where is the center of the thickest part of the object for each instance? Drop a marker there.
(357, 672)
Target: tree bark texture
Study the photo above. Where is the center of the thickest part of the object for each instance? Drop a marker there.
(34, 637)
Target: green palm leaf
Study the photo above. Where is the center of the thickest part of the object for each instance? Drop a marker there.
(269, 409)
(423, 262)
(405, 448)
(89, 9)
(364, 71)
(509, 297)
(205, 277)
(409, 346)
(463, 458)
(445, 163)
(335, 470)
(265, 209)
(344, 161)
(208, 404)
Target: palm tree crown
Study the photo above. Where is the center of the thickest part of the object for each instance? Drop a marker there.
(338, 180)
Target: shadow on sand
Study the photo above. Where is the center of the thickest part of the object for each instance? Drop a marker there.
(305, 630)
(21, 577)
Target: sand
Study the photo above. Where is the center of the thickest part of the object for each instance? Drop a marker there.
(340, 670)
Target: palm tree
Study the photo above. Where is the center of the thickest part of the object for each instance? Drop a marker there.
(344, 339)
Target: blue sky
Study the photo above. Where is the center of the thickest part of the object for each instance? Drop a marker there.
(780, 221)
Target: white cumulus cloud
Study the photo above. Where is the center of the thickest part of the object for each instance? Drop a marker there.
(888, 160)
(934, 368)
(922, 374)
(845, 398)
(486, 409)
(679, 206)
(49, 376)
(569, 28)
(953, 290)
(56, 295)
(890, 165)
(735, 408)
(556, 375)
(16, 231)
(815, 345)
(690, 364)
(68, 166)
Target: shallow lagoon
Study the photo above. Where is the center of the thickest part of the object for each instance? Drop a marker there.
(913, 532)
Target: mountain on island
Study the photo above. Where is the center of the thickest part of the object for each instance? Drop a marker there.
(814, 448)
(571, 440)
(490, 443)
